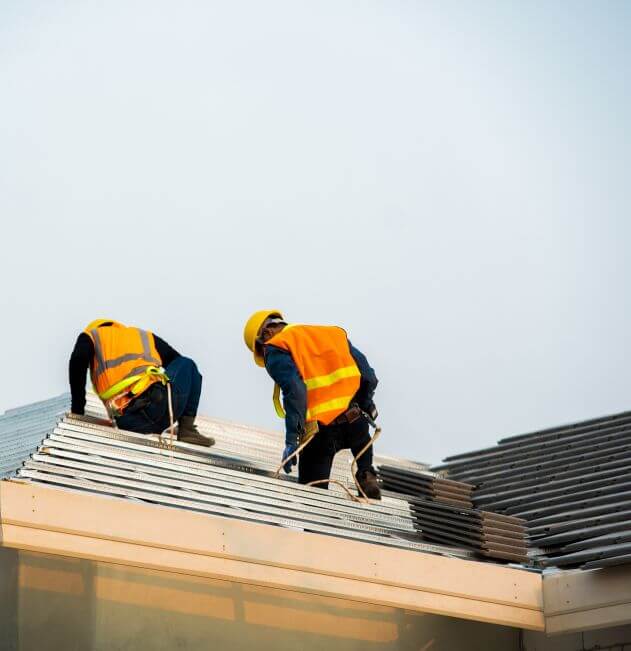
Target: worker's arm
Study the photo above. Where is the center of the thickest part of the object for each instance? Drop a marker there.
(166, 352)
(281, 367)
(369, 381)
(77, 369)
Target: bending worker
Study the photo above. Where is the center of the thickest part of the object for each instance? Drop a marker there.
(129, 369)
(324, 381)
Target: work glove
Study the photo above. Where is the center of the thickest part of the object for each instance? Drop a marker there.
(290, 448)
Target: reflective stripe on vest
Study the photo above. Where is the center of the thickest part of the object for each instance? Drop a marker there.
(114, 370)
(324, 362)
(103, 364)
(331, 378)
(136, 382)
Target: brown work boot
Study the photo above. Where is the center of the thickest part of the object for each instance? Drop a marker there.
(368, 481)
(187, 432)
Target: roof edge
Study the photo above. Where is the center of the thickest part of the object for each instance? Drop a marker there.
(75, 524)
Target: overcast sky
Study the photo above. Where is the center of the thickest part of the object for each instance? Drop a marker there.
(449, 181)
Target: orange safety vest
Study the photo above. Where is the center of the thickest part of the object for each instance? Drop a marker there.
(324, 361)
(125, 364)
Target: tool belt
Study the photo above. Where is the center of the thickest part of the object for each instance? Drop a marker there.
(310, 430)
(155, 393)
(352, 414)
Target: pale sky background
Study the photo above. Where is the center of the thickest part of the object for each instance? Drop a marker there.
(449, 181)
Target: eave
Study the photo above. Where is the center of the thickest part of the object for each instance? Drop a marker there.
(57, 521)
(581, 600)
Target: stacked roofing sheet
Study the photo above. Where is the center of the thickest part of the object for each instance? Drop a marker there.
(572, 485)
(490, 534)
(443, 509)
(234, 479)
(427, 485)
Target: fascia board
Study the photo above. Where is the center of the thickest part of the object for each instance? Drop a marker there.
(70, 523)
(581, 600)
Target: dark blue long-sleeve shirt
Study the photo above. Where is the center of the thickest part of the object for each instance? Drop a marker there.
(283, 370)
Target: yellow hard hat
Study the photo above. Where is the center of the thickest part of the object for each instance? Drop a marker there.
(99, 322)
(251, 331)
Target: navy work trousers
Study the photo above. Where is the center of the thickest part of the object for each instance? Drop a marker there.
(149, 412)
(317, 458)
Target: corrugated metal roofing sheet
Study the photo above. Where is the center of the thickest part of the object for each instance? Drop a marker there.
(234, 479)
(22, 429)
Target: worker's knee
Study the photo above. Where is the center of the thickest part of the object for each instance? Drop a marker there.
(314, 466)
(187, 364)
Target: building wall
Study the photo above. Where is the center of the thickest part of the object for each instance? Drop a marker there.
(9, 562)
(617, 638)
(50, 602)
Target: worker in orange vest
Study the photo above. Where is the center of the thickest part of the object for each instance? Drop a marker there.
(130, 368)
(325, 383)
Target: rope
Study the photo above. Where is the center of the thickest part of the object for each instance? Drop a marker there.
(354, 498)
(170, 445)
(364, 498)
(374, 437)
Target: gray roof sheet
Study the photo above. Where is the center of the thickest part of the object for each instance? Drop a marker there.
(572, 484)
(22, 430)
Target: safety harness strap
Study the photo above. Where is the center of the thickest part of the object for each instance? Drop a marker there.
(137, 381)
